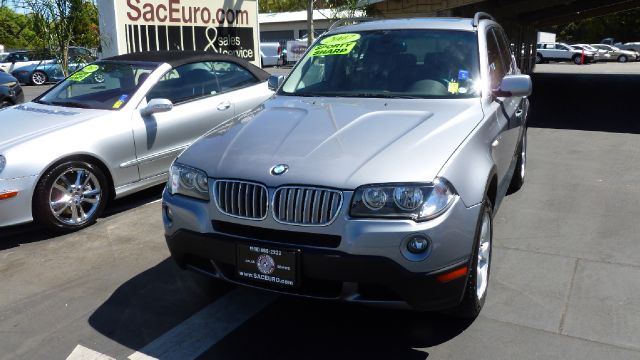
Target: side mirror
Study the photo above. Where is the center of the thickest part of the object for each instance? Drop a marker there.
(275, 81)
(156, 106)
(514, 85)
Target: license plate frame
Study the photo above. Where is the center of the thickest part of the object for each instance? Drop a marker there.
(268, 265)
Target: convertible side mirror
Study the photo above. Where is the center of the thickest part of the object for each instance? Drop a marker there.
(514, 85)
(156, 106)
(275, 81)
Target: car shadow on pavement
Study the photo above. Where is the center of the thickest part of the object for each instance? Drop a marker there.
(589, 102)
(155, 301)
(294, 328)
(14, 236)
(152, 303)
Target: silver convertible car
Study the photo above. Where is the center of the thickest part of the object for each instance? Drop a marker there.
(113, 128)
(372, 175)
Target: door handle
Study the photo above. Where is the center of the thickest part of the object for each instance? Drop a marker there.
(519, 113)
(224, 105)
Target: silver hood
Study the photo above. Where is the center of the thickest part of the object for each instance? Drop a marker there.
(337, 142)
(23, 122)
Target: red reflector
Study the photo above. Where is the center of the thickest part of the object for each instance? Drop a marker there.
(8, 195)
(452, 275)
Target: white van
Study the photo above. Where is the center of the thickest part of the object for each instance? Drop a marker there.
(270, 53)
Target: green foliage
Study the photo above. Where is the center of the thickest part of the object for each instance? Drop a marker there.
(16, 30)
(623, 26)
(84, 17)
(271, 6)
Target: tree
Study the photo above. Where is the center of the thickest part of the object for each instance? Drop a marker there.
(623, 26)
(16, 30)
(59, 23)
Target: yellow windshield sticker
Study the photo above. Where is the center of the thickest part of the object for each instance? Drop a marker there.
(453, 87)
(338, 49)
(79, 76)
(91, 68)
(117, 104)
(340, 39)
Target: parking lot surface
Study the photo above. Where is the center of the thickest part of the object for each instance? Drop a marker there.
(565, 281)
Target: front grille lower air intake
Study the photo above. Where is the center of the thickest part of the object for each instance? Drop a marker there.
(306, 205)
(242, 199)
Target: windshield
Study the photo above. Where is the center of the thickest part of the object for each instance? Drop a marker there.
(389, 64)
(101, 85)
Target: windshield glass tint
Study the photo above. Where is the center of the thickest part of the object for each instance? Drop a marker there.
(102, 85)
(390, 63)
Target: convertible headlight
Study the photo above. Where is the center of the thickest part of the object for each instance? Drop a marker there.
(414, 201)
(3, 163)
(188, 181)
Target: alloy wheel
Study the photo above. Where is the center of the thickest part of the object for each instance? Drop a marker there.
(38, 78)
(75, 196)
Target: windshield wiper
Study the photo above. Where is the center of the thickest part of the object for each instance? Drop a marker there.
(70, 104)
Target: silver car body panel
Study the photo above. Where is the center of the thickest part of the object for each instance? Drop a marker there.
(36, 136)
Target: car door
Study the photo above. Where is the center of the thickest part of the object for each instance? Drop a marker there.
(564, 52)
(199, 104)
(501, 109)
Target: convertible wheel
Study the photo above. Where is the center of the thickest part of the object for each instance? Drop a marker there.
(517, 180)
(38, 78)
(479, 267)
(70, 197)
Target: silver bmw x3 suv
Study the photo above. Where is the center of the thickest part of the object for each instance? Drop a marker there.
(372, 175)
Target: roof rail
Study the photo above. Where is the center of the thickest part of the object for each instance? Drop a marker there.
(479, 16)
(347, 21)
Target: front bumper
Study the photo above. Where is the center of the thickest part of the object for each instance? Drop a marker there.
(17, 209)
(359, 260)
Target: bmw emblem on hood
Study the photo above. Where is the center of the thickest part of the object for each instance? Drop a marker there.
(279, 169)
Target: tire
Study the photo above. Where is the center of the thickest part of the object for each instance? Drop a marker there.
(5, 103)
(517, 180)
(622, 59)
(539, 59)
(38, 78)
(577, 59)
(478, 281)
(71, 196)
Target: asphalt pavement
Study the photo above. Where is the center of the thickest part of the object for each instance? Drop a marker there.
(565, 280)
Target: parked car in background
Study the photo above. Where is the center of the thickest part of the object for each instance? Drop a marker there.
(80, 55)
(633, 46)
(371, 176)
(599, 54)
(3, 55)
(18, 59)
(270, 53)
(40, 74)
(562, 52)
(617, 54)
(10, 91)
(65, 154)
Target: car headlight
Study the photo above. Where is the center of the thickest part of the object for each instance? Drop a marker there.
(418, 202)
(188, 181)
(3, 163)
(9, 84)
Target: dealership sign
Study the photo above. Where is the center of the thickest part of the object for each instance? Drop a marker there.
(219, 26)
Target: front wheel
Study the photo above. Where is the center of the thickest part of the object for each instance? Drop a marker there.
(622, 59)
(70, 197)
(5, 103)
(539, 59)
(38, 78)
(479, 267)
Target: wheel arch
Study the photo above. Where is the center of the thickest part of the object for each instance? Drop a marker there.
(90, 158)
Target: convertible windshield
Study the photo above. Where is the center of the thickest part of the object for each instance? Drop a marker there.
(389, 64)
(101, 85)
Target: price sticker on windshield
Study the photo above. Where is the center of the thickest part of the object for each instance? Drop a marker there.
(90, 68)
(337, 49)
(79, 76)
(340, 39)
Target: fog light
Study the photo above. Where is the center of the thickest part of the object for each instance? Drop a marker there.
(417, 245)
(168, 213)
